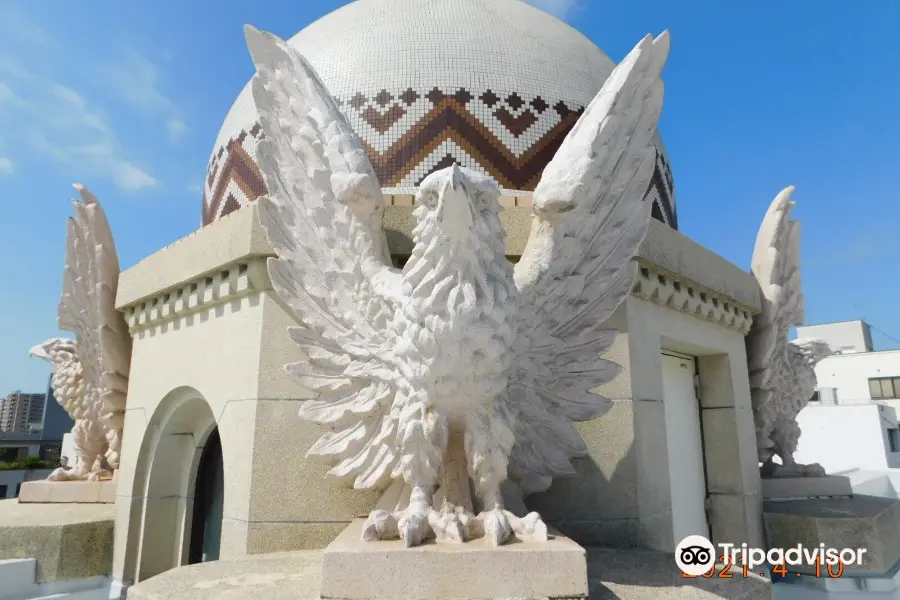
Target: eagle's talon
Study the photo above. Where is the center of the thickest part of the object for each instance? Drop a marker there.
(452, 525)
(59, 474)
(531, 526)
(414, 524)
(496, 525)
(381, 525)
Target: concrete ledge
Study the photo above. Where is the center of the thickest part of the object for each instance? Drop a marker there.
(239, 236)
(664, 247)
(859, 522)
(68, 541)
(677, 253)
(234, 237)
(68, 492)
(792, 488)
(612, 575)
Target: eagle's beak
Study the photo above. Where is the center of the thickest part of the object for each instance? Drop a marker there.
(455, 176)
(39, 352)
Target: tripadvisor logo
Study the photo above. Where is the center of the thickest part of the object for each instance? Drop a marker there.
(696, 556)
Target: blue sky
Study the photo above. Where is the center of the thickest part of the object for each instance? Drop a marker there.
(127, 98)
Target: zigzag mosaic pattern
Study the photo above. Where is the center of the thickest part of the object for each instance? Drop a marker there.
(409, 134)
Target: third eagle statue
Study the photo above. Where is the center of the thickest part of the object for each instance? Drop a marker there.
(782, 373)
(90, 372)
(459, 371)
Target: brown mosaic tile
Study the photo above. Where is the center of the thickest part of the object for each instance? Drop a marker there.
(450, 120)
(658, 181)
(515, 125)
(463, 96)
(239, 168)
(382, 121)
(561, 108)
(539, 105)
(490, 98)
(409, 96)
(447, 161)
(358, 101)
(383, 98)
(234, 177)
(231, 205)
(515, 101)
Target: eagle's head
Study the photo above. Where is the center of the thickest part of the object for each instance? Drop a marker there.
(457, 207)
(815, 350)
(56, 351)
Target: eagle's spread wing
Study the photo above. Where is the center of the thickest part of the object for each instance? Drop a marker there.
(87, 309)
(776, 266)
(323, 219)
(589, 221)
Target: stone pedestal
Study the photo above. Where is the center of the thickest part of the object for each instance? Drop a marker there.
(867, 522)
(68, 542)
(356, 570)
(794, 488)
(612, 574)
(68, 492)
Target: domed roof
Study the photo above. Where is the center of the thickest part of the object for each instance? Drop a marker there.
(493, 85)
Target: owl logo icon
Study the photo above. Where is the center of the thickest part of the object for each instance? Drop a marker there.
(695, 555)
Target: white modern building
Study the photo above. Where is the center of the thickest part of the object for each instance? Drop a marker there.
(853, 421)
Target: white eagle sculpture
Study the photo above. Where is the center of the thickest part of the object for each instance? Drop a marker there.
(461, 369)
(90, 373)
(782, 373)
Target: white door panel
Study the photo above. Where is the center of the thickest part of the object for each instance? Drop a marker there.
(685, 445)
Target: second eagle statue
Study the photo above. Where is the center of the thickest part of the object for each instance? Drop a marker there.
(459, 371)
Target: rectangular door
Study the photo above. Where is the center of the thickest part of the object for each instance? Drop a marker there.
(685, 445)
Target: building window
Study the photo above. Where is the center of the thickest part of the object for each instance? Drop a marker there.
(894, 439)
(885, 388)
(2, 491)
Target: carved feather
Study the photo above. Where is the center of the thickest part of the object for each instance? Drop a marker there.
(333, 271)
(782, 375)
(589, 221)
(87, 309)
(776, 266)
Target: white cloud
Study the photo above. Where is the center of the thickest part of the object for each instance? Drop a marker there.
(559, 8)
(131, 177)
(44, 116)
(176, 128)
(19, 28)
(6, 93)
(6, 166)
(136, 80)
(195, 188)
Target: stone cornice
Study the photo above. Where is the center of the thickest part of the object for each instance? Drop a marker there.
(676, 272)
(662, 287)
(232, 239)
(232, 282)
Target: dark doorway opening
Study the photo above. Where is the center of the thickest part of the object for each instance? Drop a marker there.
(209, 496)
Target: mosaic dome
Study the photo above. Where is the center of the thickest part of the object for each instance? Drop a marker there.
(493, 85)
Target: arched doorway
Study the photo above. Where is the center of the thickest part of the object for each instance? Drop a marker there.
(209, 496)
(177, 436)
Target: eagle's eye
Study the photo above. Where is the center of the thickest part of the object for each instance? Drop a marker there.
(429, 198)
